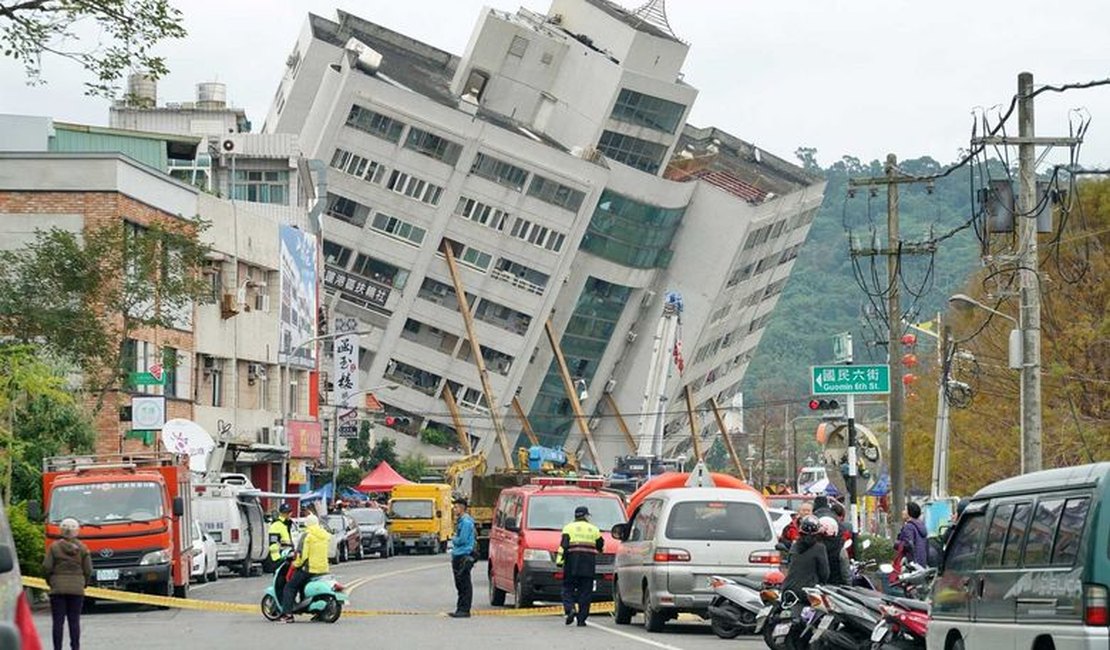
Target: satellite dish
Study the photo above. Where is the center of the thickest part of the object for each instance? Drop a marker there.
(182, 436)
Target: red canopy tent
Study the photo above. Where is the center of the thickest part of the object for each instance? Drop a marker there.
(382, 479)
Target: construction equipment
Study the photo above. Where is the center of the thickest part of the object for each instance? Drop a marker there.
(666, 345)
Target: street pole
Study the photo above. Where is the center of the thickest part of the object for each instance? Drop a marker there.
(940, 441)
(894, 347)
(850, 412)
(1030, 312)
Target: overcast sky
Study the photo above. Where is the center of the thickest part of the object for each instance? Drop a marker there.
(849, 77)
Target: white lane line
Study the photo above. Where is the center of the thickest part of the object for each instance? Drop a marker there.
(632, 637)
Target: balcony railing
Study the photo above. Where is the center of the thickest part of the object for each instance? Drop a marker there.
(519, 283)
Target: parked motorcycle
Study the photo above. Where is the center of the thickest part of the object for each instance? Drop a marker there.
(323, 596)
(902, 627)
(786, 623)
(737, 604)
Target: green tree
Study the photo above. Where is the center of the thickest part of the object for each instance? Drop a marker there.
(384, 451)
(40, 418)
(81, 296)
(124, 35)
(413, 467)
(349, 476)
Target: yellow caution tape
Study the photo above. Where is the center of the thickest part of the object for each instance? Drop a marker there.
(227, 607)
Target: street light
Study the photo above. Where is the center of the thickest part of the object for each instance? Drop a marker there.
(963, 301)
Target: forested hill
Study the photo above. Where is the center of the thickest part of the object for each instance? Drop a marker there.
(824, 295)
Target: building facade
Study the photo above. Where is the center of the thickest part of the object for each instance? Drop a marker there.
(553, 158)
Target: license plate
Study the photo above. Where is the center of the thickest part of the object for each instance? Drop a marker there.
(878, 635)
(107, 575)
(782, 629)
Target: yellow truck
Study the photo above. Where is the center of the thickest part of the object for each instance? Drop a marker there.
(420, 517)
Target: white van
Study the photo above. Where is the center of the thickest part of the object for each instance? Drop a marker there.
(234, 520)
(677, 539)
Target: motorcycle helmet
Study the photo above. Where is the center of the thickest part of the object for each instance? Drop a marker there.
(809, 525)
(773, 579)
(829, 526)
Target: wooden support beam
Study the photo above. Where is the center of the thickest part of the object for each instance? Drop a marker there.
(693, 424)
(572, 394)
(524, 422)
(727, 438)
(621, 423)
(460, 426)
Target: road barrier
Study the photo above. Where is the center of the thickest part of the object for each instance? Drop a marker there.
(226, 607)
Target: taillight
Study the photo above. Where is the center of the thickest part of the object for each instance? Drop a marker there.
(1096, 600)
(765, 557)
(768, 596)
(816, 600)
(234, 535)
(671, 555)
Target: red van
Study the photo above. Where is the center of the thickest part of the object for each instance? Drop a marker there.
(527, 527)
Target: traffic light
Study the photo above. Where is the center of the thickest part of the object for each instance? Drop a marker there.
(395, 422)
(816, 404)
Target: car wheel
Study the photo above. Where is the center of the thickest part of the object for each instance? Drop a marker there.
(215, 575)
(245, 568)
(343, 553)
(361, 553)
(653, 618)
(622, 613)
(521, 598)
(496, 596)
(202, 578)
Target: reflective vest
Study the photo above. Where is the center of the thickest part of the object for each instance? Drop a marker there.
(583, 543)
(279, 536)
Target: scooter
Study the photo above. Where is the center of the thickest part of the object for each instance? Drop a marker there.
(902, 628)
(323, 596)
(737, 604)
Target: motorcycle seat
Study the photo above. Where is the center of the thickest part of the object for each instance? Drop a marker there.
(910, 603)
(748, 582)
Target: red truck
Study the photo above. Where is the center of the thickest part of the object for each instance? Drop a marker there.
(134, 511)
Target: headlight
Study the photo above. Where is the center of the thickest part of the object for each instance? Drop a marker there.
(157, 557)
(537, 555)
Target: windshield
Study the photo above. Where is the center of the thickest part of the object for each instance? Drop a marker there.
(368, 516)
(100, 503)
(555, 511)
(412, 509)
(718, 521)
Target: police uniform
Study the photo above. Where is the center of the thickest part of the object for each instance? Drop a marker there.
(578, 551)
(279, 537)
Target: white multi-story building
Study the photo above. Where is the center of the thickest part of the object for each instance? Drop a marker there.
(554, 158)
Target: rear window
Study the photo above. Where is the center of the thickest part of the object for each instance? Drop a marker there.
(718, 521)
(368, 516)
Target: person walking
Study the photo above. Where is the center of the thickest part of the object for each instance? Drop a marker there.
(67, 567)
(462, 557)
(578, 550)
(913, 538)
(311, 561)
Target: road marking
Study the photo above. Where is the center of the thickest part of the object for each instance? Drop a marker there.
(632, 637)
(390, 574)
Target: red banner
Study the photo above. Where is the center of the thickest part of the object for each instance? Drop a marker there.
(304, 439)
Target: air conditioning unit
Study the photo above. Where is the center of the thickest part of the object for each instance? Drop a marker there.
(610, 385)
(208, 363)
(631, 336)
(256, 371)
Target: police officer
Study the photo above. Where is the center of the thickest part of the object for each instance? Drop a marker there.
(280, 536)
(577, 554)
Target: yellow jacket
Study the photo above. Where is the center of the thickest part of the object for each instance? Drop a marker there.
(314, 554)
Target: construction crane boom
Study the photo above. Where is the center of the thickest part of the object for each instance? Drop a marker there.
(652, 414)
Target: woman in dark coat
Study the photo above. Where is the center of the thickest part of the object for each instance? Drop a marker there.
(67, 567)
(809, 561)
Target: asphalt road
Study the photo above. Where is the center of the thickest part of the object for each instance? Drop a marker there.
(418, 584)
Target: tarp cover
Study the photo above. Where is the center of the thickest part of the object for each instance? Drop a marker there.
(382, 478)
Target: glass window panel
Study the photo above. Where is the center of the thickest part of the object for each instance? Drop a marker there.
(1042, 532)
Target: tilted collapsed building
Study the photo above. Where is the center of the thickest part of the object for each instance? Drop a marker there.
(555, 161)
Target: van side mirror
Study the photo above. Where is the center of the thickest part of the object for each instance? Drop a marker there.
(511, 524)
(34, 510)
(620, 531)
(178, 507)
(7, 559)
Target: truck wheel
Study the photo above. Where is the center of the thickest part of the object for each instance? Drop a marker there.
(496, 596)
(245, 568)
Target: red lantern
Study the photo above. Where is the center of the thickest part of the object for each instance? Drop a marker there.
(908, 379)
(909, 339)
(909, 360)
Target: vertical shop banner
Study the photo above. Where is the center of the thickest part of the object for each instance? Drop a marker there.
(298, 298)
(298, 472)
(346, 376)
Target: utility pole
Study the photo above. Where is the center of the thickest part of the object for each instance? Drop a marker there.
(939, 489)
(894, 250)
(1029, 279)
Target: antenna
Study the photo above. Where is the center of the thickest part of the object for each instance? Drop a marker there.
(654, 12)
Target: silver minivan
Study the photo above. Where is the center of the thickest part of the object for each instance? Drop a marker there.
(677, 539)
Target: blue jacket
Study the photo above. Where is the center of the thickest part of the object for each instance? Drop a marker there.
(464, 540)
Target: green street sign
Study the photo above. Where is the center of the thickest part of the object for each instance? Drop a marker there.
(146, 379)
(850, 380)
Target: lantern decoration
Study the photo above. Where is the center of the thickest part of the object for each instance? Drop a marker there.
(909, 378)
(909, 339)
(909, 360)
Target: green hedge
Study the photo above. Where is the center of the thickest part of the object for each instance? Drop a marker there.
(437, 437)
(881, 549)
(30, 540)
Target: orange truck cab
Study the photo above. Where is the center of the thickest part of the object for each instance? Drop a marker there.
(527, 528)
(134, 511)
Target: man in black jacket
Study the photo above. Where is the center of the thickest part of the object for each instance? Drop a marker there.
(809, 561)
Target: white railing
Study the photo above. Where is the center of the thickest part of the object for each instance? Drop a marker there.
(519, 283)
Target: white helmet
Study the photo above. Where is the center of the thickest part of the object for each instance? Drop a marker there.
(829, 527)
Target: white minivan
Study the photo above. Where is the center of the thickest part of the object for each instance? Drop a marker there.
(235, 523)
(677, 539)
